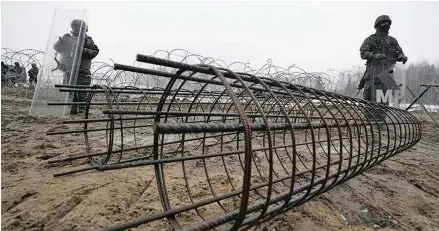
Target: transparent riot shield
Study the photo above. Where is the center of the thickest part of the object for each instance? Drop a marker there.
(61, 64)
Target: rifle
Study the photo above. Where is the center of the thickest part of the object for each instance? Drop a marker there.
(362, 81)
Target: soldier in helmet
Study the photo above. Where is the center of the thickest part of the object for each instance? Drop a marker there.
(33, 73)
(89, 52)
(381, 52)
(19, 74)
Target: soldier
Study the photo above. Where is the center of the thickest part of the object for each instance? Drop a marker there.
(19, 74)
(33, 73)
(381, 52)
(89, 52)
(5, 69)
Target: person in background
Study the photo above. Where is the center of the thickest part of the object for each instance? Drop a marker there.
(19, 74)
(5, 69)
(33, 74)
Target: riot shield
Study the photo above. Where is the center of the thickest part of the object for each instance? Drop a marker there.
(60, 65)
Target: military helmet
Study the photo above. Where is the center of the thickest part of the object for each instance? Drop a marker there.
(78, 22)
(382, 18)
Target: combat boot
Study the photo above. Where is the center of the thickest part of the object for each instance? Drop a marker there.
(73, 111)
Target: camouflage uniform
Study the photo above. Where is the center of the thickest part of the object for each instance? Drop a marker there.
(19, 74)
(33, 73)
(381, 52)
(89, 52)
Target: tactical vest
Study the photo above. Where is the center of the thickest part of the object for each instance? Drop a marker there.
(385, 45)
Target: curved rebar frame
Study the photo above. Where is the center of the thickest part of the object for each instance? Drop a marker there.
(259, 143)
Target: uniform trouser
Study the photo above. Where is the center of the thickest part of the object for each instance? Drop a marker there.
(83, 79)
(374, 112)
(33, 80)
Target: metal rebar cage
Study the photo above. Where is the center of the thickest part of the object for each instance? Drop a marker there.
(237, 148)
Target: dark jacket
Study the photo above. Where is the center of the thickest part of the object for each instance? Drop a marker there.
(33, 73)
(89, 52)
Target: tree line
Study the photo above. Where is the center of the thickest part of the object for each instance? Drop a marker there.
(411, 76)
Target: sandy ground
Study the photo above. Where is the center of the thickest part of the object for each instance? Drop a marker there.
(402, 193)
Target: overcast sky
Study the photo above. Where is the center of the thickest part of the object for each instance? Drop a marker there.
(313, 35)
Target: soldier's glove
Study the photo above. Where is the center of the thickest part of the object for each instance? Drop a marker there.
(402, 58)
(379, 56)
